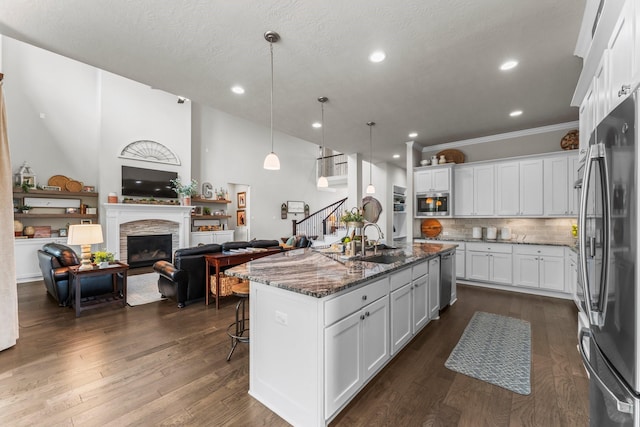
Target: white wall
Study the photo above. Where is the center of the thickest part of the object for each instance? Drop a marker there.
(65, 140)
(227, 149)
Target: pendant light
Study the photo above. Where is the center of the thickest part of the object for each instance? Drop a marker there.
(271, 162)
(322, 181)
(370, 188)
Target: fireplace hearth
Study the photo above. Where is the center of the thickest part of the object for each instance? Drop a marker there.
(145, 250)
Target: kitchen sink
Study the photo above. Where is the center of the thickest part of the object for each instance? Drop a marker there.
(384, 258)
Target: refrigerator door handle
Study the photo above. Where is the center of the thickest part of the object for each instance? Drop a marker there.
(595, 309)
(622, 405)
(582, 233)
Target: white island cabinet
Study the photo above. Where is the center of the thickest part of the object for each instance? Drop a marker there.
(309, 356)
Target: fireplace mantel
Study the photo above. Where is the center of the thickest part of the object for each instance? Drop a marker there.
(121, 213)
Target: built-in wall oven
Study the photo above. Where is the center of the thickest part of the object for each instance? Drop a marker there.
(433, 204)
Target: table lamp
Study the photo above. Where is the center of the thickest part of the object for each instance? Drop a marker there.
(85, 235)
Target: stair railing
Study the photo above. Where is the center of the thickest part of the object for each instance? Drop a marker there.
(322, 222)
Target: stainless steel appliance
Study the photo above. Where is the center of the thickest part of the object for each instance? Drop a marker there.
(432, 204)
(608, 227)
(446, 277)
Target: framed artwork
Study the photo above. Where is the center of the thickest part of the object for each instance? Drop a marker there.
(295, 207)
(241, 219)
(85, 221)
(197, 210)
(62, 232)
(242, 200)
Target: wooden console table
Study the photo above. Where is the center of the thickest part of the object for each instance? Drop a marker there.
(115, 297)
(221, 259)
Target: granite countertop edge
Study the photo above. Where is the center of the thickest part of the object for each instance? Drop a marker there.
(319, 275)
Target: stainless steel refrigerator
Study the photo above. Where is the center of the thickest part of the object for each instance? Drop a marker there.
(608, 227)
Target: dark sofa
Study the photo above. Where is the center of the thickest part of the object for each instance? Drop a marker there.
(184, 279)
(54, 260)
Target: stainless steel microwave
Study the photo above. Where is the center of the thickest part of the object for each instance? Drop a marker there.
(432, 204)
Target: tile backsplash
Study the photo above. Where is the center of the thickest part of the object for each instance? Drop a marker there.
(530, 229)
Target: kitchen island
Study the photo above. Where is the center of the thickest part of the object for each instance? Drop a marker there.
(323, 326)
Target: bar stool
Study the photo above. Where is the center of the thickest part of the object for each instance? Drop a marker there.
(241, 325)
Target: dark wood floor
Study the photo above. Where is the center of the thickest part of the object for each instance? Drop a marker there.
(158, 365)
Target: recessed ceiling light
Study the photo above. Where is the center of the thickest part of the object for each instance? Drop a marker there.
(377, 56)
(396, 156)
(413, 134)
(238, 90)
(317, 125)
(508, 65)
(515, 113)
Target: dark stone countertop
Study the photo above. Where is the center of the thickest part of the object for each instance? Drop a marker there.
(320, 274)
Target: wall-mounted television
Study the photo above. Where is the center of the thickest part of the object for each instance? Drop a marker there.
(147, 182)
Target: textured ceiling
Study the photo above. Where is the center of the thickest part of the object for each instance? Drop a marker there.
(440, 78)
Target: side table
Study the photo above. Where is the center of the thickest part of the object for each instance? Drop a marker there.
(115, 297)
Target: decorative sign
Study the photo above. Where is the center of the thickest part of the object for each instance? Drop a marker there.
(295, 207)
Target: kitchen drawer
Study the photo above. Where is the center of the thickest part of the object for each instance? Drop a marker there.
(353, 301)
(502, 248)
(400, 278)
(539, 250)
(420, 270)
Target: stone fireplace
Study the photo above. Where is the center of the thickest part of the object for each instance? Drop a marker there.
(123, 220)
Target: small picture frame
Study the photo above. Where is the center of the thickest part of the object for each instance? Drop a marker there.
(242, 200)
(197, 210)
(51, 188)
(62, 232)
(241, 218)
(295, 207)
(89, 189)
(71, 210)
(86, 221)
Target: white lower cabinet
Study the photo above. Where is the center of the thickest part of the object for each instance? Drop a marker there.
(355, 348)
(207, 237)
(26, 254)
(489, 262)
(537, 266)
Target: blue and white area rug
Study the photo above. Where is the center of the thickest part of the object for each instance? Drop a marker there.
(495, 349)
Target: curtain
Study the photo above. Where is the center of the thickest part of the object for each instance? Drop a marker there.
(8, 285)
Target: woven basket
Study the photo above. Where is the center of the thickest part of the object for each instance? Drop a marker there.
(226, 283)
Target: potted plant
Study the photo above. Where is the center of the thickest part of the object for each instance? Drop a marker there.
(185, 190)
(353, 218)
(24, 208)
(103, 258)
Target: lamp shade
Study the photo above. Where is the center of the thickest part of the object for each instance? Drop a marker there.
(85, 234)
(272, 162)
(323, 182)
(371, 189)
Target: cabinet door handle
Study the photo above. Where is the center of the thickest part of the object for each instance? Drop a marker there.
(364, 297)
(362, 317)
(366, 313)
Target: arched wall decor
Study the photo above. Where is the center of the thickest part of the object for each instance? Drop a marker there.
(149, 151)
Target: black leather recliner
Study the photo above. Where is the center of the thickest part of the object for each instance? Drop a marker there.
(185, 279)
(54, 260)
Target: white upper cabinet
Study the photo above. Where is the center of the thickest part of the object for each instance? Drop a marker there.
(434, 179)
(508, 188)
(473, 190)
(560, 175)
(620, 59)
(519, 189)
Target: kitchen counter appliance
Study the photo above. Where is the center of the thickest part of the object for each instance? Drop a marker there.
(432, 204)
(608, 237)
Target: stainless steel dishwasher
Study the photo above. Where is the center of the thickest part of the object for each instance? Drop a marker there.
(446, 276)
